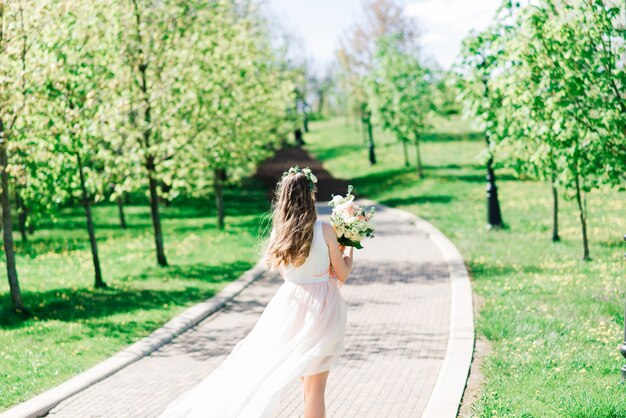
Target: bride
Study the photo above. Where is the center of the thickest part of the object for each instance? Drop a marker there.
(300, 334)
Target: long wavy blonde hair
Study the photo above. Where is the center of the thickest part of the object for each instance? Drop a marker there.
(293, 219)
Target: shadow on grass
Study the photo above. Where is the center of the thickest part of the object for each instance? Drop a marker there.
(234, 226)
(415, 200)
(406, 178)
(69, 232)
(73, 222)
(617, 243)
(478, 177)
(452, 136)
(237, 202)
(325, 154)
(76, 304)
(468, 166)
(207, 273)
(56, 245)
(490, 270)
(373, 182)
(426, 137)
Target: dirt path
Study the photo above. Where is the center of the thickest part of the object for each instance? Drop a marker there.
(272, 169)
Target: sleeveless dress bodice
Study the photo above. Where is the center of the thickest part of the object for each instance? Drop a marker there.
(317, 265)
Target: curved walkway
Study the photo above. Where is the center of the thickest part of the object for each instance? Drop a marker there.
(408, 344)
(398, 326)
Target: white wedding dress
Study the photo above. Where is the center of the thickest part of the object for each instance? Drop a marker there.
(300, 333)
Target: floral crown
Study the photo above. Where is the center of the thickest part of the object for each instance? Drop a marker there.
(306, 171)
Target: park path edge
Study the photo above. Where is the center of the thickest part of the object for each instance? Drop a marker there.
(447, 394)
(41, 404)
(445, 399)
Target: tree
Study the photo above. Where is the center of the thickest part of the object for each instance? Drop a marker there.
(356, 55)
(580, 58)
(477, 68)
(21, 23)
(528, 132)
(75, 88)
(402, 94)
(321, 86)
(561, 113)
(154, 42)
(242, 98)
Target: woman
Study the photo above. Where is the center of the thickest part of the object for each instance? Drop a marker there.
(300, 333)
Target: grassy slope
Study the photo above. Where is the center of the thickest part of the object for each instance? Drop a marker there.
(75, 326)
(554, 322)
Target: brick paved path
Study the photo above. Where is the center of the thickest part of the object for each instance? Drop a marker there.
(398, 313)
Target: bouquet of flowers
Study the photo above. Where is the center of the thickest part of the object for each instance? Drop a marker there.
(350, 221)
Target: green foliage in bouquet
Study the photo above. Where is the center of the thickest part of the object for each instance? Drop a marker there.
(349, 243)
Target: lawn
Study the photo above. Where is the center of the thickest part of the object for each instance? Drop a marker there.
(554, 322)
(74, 326)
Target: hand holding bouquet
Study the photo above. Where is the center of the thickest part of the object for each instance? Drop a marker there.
(350, 221)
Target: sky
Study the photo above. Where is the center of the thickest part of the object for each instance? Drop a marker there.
(317, 24)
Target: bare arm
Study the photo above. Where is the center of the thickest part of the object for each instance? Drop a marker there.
(341, 261)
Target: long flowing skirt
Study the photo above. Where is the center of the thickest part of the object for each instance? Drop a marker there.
(300, 333)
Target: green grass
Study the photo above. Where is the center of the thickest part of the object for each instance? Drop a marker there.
(74, 326)
(554, 322)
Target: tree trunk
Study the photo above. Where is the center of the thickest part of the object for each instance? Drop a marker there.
(21, 216)
(149, 161)
(494, 216)
(418, 157)
(320, 101)
(165, 188)
(154, 212)
(297, 134)
(405, 150)
(7, 228)
(99, 283)
(582, 213)
(219, 175)
(120, 209)
(370, 141)
(555, 212)
(305, 122)
(363, 130)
